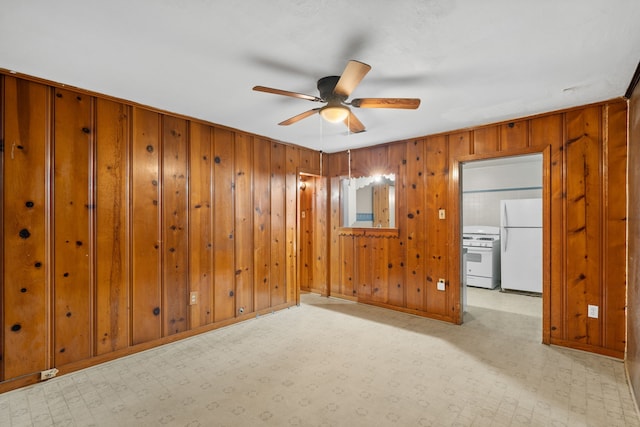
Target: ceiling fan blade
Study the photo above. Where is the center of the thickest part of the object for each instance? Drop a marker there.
(354, 125)
(353, 73)
(402, 103)
(299, 117)
(286, 93)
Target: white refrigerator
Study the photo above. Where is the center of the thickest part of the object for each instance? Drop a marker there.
(521, 244)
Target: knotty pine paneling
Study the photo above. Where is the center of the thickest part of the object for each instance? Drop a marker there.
(459, 146)
(437, 172)
(25, 282)
(73, 208)
(223, 225)
(175, 225)
(547, 131)
(584, 158)
(335, 282)
(112, 220)
(486, 140)
(514, 135)
(416, 226)
(397, 253)
(364, 273)
(320, 230)
(291, 221)
(347, 263)
(146, 240)
(632, 359)
(200, 224)
(583, 221)
(244, 224)
(262, 222)
(615, 223)
(380, 269)
(278, 226)
(116, 213)
(309, 161)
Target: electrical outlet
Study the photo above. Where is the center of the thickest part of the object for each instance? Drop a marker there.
(592, 311)
(442, 214)
(48, 374)
(441, 284)
(193, 298)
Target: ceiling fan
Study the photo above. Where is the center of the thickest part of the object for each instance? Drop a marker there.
(334, 91)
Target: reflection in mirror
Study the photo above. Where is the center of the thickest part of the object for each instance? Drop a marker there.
(369, 202)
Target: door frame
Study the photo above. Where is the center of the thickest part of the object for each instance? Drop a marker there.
(456, 186)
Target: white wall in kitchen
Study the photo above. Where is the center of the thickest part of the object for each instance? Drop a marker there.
(486, 182)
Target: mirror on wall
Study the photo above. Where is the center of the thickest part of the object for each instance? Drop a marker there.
(369, 201)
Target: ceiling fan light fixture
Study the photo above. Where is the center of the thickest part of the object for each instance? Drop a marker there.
(334, 114)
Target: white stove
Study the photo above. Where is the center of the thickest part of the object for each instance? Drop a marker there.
(483, 255)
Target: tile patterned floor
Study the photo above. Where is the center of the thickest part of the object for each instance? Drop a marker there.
(335, 363)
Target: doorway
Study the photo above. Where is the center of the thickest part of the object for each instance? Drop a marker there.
(501, 218)
(312, 268)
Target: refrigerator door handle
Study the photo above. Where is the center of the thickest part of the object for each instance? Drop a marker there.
(505, 215)
(506, 238)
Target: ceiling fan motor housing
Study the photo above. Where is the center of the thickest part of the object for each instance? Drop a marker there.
(326, 85)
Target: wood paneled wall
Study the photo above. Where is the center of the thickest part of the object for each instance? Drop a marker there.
(585, 154)
(633, 293)
(114, 215)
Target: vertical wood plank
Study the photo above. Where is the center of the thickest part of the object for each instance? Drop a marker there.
(262, 222)
(363, 275)
(485, 140)
(514, 135)
(397, 247)
(112, 267)
(379, 269)
(145, 217)
(583, 223)
(319, 252)
(244, 223)
(224, 223)
(458, 145)
(416, 226)
(335, 266)
(348, 274)
(310, 161)
(615, 223)
(24, 208)
(175, 225)
(548, 131)
(200, 224)
(278, 228)
(291, 221)
(73, 294)
(438, 248)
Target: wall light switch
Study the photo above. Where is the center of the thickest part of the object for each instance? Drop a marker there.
(592, 311)
(442, 214)
(441, 284)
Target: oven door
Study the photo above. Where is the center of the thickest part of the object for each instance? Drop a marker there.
(479, 261)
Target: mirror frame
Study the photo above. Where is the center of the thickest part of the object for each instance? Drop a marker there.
(366, 231)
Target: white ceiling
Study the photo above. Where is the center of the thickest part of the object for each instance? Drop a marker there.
(471, 62)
